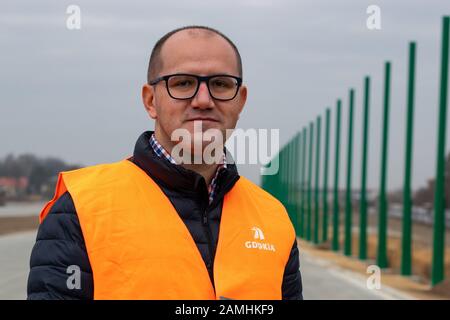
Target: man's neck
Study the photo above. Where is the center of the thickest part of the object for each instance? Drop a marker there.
(206, 170)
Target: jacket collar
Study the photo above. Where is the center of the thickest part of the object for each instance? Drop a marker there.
(177, 178)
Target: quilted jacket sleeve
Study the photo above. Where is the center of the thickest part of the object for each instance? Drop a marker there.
(60, 245)
(292, 280)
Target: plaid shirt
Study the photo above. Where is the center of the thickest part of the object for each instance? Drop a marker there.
(160, 151)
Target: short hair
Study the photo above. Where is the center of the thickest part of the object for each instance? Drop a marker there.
(155, 63)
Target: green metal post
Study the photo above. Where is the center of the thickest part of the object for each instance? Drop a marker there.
(317, 184)
(383, 206)
(278, 188)
(277, 178)
(294, 181)
(303, 182)
(437, 272)
(291, 176)
(325, 178)
(363, 200)
(286, 178)
(297, 182)
(406, 232)
(282, 190)
(308, 221)
(348, 202)
(335, 245)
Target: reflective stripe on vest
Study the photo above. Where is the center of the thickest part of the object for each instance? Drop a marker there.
(139, 247)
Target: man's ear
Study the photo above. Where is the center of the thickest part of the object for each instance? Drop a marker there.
(242, 97)
(148, 98)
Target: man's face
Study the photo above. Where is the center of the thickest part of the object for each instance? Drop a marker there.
(200, 55)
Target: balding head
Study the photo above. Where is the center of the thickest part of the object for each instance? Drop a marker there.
(184, 34)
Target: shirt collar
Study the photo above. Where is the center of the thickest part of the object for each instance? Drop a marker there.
(162, 152)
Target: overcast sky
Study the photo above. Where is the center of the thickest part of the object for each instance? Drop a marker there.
(75, 94)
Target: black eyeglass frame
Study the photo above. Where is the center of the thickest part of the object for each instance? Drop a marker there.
(200, 79)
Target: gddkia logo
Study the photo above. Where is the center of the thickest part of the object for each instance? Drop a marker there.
(259, 235)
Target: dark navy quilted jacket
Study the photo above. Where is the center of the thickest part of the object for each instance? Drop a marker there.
(60, 242)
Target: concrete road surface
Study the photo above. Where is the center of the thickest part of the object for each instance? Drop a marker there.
(15, 252)
(21, 209)
(321, 279)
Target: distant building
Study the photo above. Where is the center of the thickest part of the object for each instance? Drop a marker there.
(13, 187)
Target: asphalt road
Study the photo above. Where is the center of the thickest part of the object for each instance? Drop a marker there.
(15, 252)
(321, 279)
(21, 209)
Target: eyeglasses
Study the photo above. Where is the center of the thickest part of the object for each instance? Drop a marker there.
(183, 86)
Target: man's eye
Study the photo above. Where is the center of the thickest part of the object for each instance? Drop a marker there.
(184, 83)
(221, 84)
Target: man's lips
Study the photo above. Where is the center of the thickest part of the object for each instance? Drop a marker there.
(203, 119)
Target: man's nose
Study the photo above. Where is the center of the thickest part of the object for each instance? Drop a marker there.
(202, 99)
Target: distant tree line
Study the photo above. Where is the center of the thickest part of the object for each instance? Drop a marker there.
(40, 172)
(425, 195)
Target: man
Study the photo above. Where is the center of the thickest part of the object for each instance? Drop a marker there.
(147, 227)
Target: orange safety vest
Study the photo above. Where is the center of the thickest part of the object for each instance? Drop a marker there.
(139, 247)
